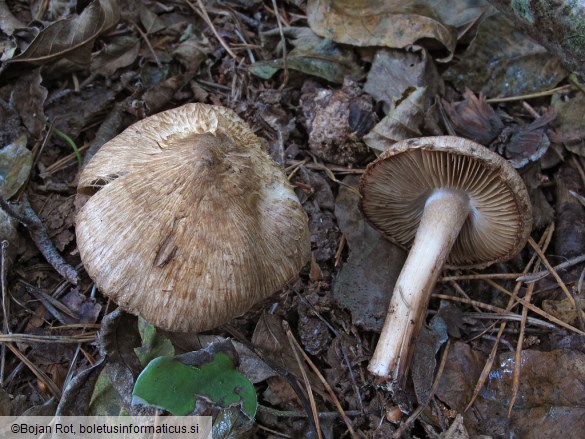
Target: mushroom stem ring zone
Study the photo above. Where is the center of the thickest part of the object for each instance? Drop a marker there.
(451, 201)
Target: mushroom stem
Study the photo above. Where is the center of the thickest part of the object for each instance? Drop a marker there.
(443, 217)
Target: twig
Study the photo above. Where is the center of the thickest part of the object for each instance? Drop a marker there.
(533, 277)
(36, 371)
(339, 251)
(283, 42)
(480, 276)
(49, 339)
(518, 354)
(510, 317)
(550, 268)
(322, 379)
(274, 432)
(464, 294)
(562, 89)
(202, 12)
(28, 218)
(291, 341)
(302, 414)
(147, 41)
(341, 348)
(5, 308)
(319, 166)
(511, 303)
(434, 388)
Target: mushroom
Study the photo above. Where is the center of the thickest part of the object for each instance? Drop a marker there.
(190, 222)
(451, 201)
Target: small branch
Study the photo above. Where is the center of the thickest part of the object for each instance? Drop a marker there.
(28, 218)
(202, 12)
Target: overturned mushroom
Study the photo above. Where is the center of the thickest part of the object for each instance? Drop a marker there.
(451, 200)
(191, 222)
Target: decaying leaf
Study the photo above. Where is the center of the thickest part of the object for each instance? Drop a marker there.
(524, 144)
(474, 118)
(150, 21)
(393, 24)
(500, 61)
(395, 71)
(271, 340)
(364, 282)
(562, 309)
(118, 338)
(72, 38)
(570, 123)
(153, 344)
(550, 397)
(428, 343)
(403, 121)
(28, 97)
(118, 53)
(15, 166)
(569, 237)
(312, 55)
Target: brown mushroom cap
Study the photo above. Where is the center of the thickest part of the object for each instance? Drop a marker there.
(192, 222)
(396, 186)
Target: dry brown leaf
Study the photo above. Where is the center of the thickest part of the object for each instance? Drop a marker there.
(378, 23)
(72, 38)
(403, 121)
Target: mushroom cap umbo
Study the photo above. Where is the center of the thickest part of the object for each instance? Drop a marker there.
(395, 188)
(191, 222)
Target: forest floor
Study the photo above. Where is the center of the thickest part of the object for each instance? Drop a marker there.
(327, 88)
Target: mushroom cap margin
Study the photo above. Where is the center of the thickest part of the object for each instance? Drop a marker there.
(390, 191)
(191, 224)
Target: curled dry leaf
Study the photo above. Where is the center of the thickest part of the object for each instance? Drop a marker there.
(118, 53)
(72, 38)
(404, 120)
(524, 144)
(474, 118)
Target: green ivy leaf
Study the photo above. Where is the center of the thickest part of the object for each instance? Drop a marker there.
(172, 385)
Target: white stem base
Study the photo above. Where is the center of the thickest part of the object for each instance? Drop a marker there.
(442, 219)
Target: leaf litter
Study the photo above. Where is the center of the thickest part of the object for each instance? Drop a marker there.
(328, 85)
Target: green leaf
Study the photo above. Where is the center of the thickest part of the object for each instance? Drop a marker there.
(153, 344)
(172, 385)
